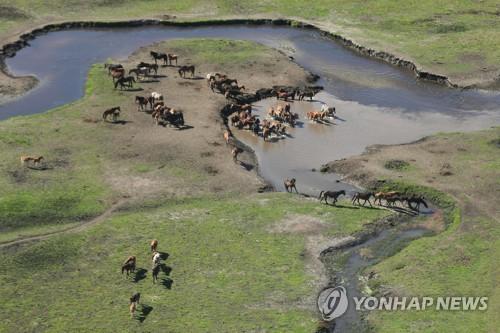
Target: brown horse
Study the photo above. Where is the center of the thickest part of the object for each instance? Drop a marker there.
(132, 308)
(129, 265)
(186, 69)
(290, 185)
(115, 112)
(154, 245)
(117, 73)
(171, 57)
(35, 159)
(142, 102)
(227, 135)
(384, 195)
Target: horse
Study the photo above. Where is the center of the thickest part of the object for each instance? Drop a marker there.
(314, 116)
(156, 96)
(112, 67)
(185, 69)
(362, 196)
(129, 265)
(307, 93)
(135, 298)
(171, 57)
(384, 195)
(324, 195)
(125, 82)
(35, 159)
(117, 74)
(266, 133)
(114, 111)
(132, 308)
(418, 201)
(153, 245)
(156, 257)
(290, 185)
(174, 117)
(235, 152)
(329, 111)
(139, 71)
(156, 270)
(157, 55)
(227, 135)
(142, 102)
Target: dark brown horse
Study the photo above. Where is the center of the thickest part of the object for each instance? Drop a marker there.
(324, 195)
(362, 196)
(186, 69)
(290, 185)
(114, 111)
(126, 82)
(129, 265)
(172, 57)
(417, 201)
(142, 102)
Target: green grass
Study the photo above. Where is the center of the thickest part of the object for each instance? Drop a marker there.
(448, 36)
(230, 273)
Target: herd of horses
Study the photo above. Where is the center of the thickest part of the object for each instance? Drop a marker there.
(391, 198)
(130, 265)
(153, 103)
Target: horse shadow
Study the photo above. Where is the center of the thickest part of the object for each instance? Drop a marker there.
(185, 127)
(150, 80)
(121, 122)
(165, 269)
(246, 166)
(195, 78)
(145, 311)
(40, 168)
(167, 283)
(163, 255)
(402, 210)
(344, 206)
(158, 76)
(140, 274)
(133, 89)
(338, 118)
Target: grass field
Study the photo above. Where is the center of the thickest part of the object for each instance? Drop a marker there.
(455, 38)
(229, 271)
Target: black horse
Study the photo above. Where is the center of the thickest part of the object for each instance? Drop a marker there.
(417, 201)
(324, 195)
(175, 118)
(186, 69)
(158, 56)
(125, 82)
(362, 196)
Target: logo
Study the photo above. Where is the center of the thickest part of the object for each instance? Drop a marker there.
(332, 302)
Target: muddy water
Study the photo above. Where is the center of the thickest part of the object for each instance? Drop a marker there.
(356, 126)
(377, 103)
(386, 244)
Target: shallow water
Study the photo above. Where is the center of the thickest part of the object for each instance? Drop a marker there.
(377, 103)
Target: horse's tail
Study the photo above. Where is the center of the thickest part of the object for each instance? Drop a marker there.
(354, 197)
(321, 194)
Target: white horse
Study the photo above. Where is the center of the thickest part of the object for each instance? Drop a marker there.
(156, 258)
(329, 110)
(157, 96)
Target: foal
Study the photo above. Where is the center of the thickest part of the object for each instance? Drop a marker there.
(154, 245)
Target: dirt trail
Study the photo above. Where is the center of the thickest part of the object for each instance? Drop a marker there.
(82, 226)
